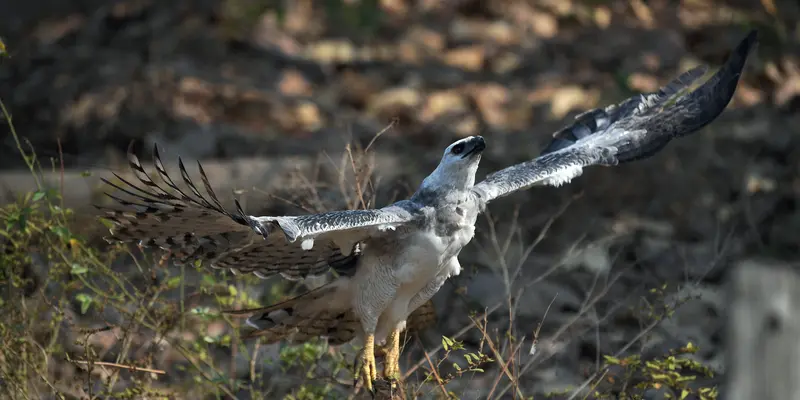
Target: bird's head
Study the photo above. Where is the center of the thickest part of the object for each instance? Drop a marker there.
(459, 164)
(465, 151)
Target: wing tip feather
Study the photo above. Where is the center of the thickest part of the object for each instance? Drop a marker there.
(638, 113)
(718, 91)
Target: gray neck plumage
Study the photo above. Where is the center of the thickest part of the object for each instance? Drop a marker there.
(445, 184)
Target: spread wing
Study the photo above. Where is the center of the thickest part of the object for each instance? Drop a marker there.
(196, 227)
(634, 129)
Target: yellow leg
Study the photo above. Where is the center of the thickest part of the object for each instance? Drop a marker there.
(369, 373)
(391, 367)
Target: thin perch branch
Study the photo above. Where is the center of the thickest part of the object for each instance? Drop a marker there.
(115, 365)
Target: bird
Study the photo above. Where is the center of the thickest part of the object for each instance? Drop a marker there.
(390, 261)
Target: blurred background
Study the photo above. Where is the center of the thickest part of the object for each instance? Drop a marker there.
(271, 94)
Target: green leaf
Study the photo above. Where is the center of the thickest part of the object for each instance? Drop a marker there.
(447, 343)
(659, 377)
(173, 282)
(85, 300)
(20, 218)
(38, 195)
(61, 232)
(611, 359)
(209, 280)
(78, 269)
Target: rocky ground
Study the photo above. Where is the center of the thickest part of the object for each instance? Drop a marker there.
(237, 80)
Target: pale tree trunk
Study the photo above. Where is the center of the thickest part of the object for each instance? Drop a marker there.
(763, 337)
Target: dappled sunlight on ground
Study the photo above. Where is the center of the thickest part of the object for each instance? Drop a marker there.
(268, 99)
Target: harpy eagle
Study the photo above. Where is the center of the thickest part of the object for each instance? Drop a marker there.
(392, 260)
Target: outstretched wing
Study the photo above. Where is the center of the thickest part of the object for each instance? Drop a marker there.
(634, 129)
(196, 227)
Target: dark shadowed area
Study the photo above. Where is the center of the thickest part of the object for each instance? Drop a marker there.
(279, 99)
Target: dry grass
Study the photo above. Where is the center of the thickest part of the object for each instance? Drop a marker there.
(81, 320)
(79, 324)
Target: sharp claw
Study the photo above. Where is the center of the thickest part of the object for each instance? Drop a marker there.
(391, 368)
(366, 370)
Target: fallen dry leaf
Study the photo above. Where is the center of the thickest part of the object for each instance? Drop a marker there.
(786, 79)
(499, 32)
(491, 101)
(468, 57)
(542, 24)
(505, 62)
(602, 16)
(651, 61)
(51, 31)
(467, 126)
(395, 8)
(356, 88)
(757, 183)
(643, 13)
(571, 97)
(308, 116)
(643, 82)
(330, 51)
(389, 103)
(293, 83)
(425, 38)
(769, 5)
(747, 95)
(443, 102)
(267, 34)
(298, 17)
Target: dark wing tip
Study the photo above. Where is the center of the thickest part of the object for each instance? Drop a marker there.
(714, 96)
(245, 219)
(736, 60)
(748, 42)
(697, 108)
(241, 212)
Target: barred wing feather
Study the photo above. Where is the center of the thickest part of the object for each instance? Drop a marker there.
(196, 227)
(635, 129)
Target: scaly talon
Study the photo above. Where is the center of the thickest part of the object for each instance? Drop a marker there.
(391, 364)
(369, 372)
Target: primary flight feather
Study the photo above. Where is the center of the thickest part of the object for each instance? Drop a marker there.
(390, 261)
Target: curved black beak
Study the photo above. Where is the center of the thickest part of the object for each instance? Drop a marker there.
(475, 145)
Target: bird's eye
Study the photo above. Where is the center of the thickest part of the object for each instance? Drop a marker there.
(457, 149)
